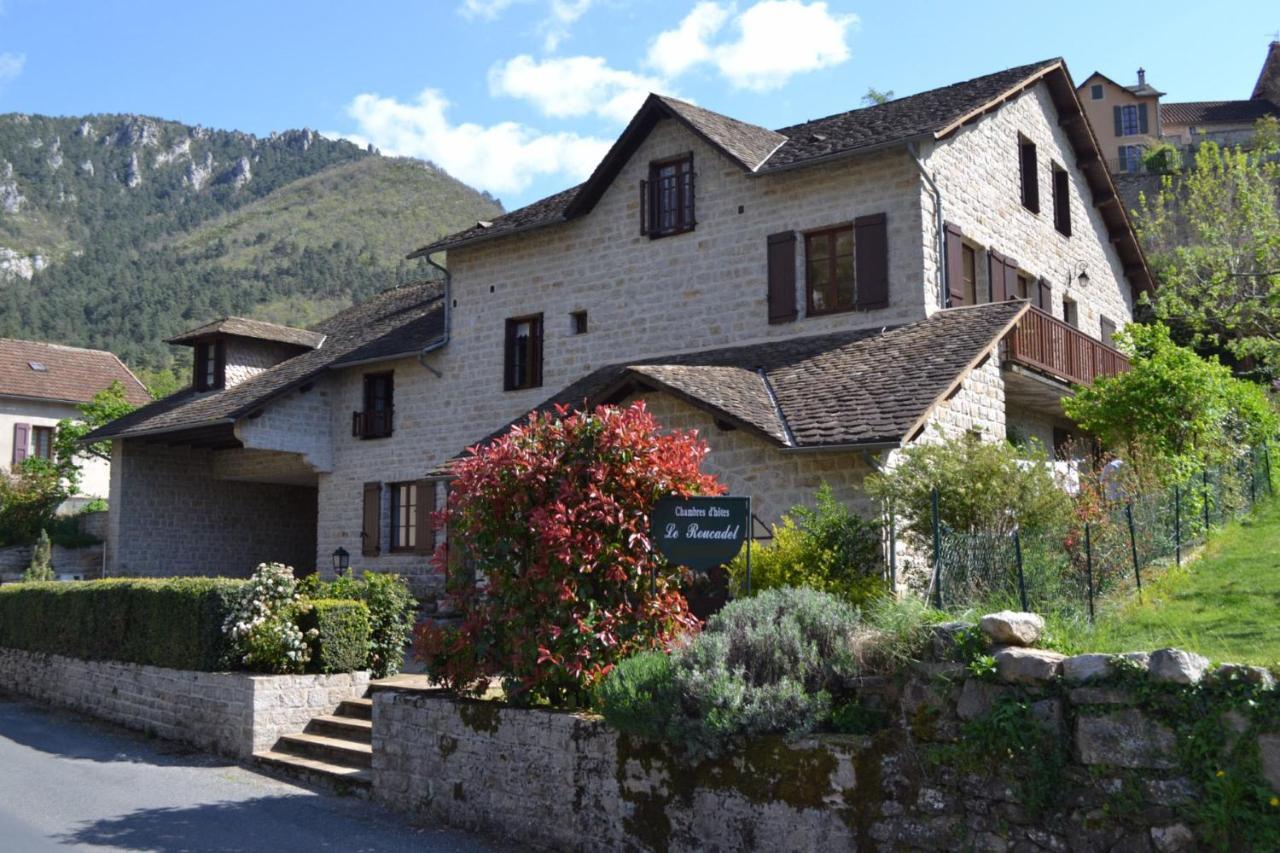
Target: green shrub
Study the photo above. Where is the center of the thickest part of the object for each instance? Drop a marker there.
(65, 531)
(825, 547)
(41, 568)
(174, 623)
(763, 665)
(392, 608)
(28, 498)
(338, 631)
(261, 627)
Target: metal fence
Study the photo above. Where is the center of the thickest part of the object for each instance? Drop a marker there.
(1068, 569)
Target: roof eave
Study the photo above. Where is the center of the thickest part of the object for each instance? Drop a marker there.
(97, 434)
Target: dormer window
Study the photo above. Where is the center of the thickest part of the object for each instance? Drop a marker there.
(666, 199)
(211, 365)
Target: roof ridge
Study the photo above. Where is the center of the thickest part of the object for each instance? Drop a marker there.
(53, 345)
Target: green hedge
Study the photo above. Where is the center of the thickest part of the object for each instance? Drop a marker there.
(174, 623)
(342, 630)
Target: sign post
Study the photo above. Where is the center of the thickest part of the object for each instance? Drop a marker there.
(702, 532)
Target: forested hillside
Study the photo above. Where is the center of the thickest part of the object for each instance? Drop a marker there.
(117, 231)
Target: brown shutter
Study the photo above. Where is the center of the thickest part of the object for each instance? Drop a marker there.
(426, 541)
(782, 277)
(871, 262)
(995, 276)
(1119, 121)
(1010, 278)
(1030, 176)
(1142, 118)
(371, 524)
(644, 207)
(21, 439)
(197, 369)
(509, 380)
(1046, 295)
(537, 351)
(955, 264)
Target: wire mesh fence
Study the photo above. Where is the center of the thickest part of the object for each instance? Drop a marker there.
(1069, 568)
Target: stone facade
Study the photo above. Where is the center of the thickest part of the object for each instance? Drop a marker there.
(247, 357)
(231, 713)
(170, 515)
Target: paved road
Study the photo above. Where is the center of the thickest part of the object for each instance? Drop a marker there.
(71, 783)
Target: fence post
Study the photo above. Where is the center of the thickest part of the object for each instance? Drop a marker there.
(937, 551)
(1022, 581)
(1205, 478)
(1253, 476)
(1133, 547)
(1088, 567)
(1177, 525)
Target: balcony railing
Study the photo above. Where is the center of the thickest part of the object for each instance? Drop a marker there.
(1048, 345)
(371, 424)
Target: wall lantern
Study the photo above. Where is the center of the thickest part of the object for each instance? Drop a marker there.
(341, 560)
(1082, 275)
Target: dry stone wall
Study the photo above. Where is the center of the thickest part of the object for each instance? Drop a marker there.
(231, 713)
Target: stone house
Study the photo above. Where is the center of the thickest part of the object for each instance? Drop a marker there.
(809, 299)
(42, 384)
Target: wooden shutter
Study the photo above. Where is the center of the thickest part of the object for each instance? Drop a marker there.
(509, 379)
(21, 439)
(197, 368)
(535, 347)
(782, 277)
(1010, 279)
(1119, 117)
(1030, 177)
(1062, 202)
(1142, 118)
(644, 207)
(995, 276)
(955, 263)
(871, 262)
(425, 521)
(371, 523)
(1046, 295)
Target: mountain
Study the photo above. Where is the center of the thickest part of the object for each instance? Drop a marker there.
(117, 231)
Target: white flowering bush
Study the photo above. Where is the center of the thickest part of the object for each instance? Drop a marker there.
(260, 626)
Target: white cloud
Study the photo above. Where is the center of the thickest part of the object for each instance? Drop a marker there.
(11, 65)
(502, 158)
(775, 40)
(561, 17)
(489, 10)
(573, 86)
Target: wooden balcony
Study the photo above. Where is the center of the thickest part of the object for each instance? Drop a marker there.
(373, 424)
(1049, 346)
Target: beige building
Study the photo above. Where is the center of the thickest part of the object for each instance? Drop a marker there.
(42, 384)
(811, 299)
(1125, 119)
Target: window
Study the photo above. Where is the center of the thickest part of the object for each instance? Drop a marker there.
(969, 268)
(1021, 286)
(375, 420)
(1061, 200)
(1030, 178)
(42, 442)
(1095, 91)
(829, 270)
(523, 353)
(1129, 120)
(404, 516)
(1130, 158)
(1070, 313)
(578, 322)
(211, 365)
(1107, 330)
(667, 198)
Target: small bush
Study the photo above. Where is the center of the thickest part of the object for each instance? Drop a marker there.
(392, 608)
(175, 622)
(338, 632)
(764, 665)
(825, 547)
(41, 568)
(28, 498)
(261, 625)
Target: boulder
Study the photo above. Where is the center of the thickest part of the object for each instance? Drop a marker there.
(1173, 838)
(1124, 738)
(1177, 667)
(1259, 675)
(1028, 666)
(1084, 668)
(1011, 628)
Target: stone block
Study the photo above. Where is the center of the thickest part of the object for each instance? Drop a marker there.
(977, 697)
(1269, 748)
(1259, 675)
(1177, 666)
(1016, 665)
(1100, 696)
(1080, 669)
(1011, 628)
(1124, 738)
(1173, 838)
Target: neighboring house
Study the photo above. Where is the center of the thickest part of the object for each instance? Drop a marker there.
(41, 384)
(810, 299)
(1129, 119)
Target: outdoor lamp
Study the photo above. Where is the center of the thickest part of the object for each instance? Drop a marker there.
(1082, 276)
(341, 560)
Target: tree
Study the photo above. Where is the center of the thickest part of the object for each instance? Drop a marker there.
(875, 97)
(1173, 405)
(68, 453)
(548, 557)
(41, 568)
(1212, 236)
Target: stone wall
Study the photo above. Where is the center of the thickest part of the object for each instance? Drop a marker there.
(231, 713)
(247, 357)
(1085, 755)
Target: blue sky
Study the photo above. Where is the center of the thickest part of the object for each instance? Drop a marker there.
(520, 97)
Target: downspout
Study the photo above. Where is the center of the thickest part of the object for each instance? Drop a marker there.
(448, 319)
(914, 154)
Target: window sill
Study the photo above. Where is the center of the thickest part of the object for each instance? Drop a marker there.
(658, 235)
(523, 387)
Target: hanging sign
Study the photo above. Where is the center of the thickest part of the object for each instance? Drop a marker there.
(700, 532)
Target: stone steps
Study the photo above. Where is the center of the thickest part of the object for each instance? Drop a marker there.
(334, 749)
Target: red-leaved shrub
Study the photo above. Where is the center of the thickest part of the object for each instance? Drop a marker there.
(548, 557)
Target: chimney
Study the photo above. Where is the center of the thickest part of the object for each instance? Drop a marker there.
(1142, 76)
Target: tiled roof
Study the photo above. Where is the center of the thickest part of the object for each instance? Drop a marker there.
(865, 387)
(55, 372)
(399, 319)
(1217, 112)
(246, 328)
(760, 150)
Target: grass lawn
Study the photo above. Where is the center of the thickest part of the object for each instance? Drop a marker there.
(1225, 604)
